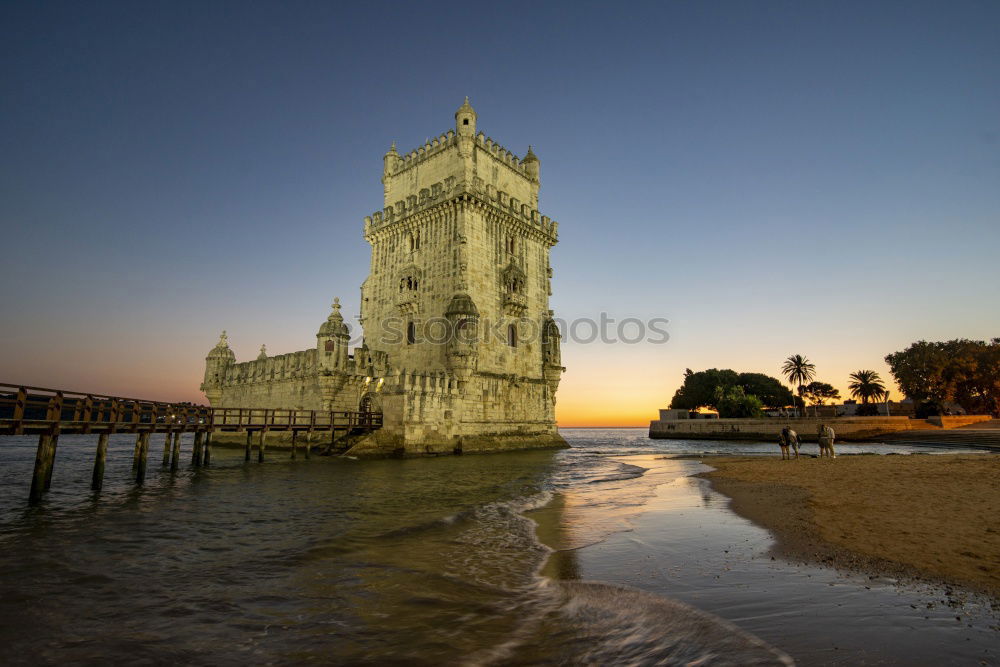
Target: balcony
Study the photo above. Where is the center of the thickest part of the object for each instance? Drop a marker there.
(515, 304)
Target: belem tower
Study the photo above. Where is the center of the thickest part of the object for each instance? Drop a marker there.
(460, 350)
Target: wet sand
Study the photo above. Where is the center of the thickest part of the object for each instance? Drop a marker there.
(919, 516)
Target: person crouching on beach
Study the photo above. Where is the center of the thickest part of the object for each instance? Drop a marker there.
(826, 438)
(788, 438)
(792, 438)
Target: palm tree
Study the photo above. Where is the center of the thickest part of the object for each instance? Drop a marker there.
(866, 385)
(799, 372)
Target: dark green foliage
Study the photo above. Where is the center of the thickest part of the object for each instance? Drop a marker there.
(867, 385)
(734, 403)
(700, 389)
(867, 410)
(929, 409)
(768, 389)
(964, 371)
(818, 393)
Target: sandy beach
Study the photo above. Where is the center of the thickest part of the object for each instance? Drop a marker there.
(934, 517)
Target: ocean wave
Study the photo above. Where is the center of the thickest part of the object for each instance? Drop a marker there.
(595, 623)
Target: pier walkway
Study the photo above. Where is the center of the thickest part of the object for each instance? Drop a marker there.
(48, 413)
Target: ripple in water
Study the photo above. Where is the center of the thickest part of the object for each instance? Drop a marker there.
(422, 561)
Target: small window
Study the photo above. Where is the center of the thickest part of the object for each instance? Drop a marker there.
(512, 335)
(329, 346)
(411, 333)
(465, 121)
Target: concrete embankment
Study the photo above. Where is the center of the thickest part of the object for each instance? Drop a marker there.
(846, 428)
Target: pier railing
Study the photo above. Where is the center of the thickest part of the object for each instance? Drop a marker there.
(48, 413)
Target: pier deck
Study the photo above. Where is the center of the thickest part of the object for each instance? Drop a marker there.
(48, 413)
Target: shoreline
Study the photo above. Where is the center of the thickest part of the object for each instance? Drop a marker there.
(924, 518)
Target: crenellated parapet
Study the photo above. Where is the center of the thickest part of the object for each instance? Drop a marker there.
(432, 147)
(445, 193)
(290, 366)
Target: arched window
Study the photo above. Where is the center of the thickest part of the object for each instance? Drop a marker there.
(411, 333)
(328, 346)
(512, 335)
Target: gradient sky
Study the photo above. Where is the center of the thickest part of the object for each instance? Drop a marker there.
(772, 177)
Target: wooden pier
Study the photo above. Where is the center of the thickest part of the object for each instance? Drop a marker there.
(48, 413)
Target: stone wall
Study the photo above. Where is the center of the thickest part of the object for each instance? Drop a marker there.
(846, 428)
(957, 421)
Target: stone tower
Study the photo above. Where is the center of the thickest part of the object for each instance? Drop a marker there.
(460, 351)
(460, 279)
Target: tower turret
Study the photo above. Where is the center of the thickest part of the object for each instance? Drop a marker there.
(390, 161)
(218, 361)
(463, 349)
(531, 164)
(333, 339)
(552, 368)
(465, 119)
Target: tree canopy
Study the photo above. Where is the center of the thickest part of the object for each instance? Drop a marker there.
(867, 385)
(960, 370)
(818, 393)
(700, 389)
(733, 402)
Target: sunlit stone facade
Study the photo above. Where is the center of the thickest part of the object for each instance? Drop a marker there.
(460, 351)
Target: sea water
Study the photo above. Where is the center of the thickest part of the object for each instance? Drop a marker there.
(450, 560)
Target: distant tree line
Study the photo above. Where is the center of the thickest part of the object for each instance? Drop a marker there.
(932, 374)
(964, 371)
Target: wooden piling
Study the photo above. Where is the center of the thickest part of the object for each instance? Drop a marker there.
(246, 450)
(175, 455)
(138, 450)
(41, 462)
(102, 454)
(309, 439)
(207, 453)
(166, 449)
(294, 434)
(260, 449)
(140, 471)
(197, 448)
(51, 463)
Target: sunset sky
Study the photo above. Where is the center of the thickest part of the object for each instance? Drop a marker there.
(771, 177)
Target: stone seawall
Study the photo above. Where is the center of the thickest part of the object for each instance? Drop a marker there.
(385, 444)
(846, 428)
(958, 421)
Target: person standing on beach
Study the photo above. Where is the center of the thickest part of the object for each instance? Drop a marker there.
(826, 438)
(783, 443)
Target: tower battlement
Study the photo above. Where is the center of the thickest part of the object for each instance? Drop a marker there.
(440, 193)
(459, 158)
(447, 139)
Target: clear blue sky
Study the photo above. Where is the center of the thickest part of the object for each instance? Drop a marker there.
(773, 177)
